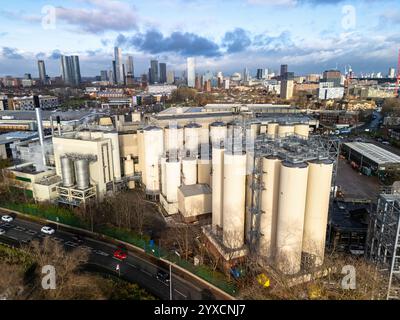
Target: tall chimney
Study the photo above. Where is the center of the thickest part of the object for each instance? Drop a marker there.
(38, 111)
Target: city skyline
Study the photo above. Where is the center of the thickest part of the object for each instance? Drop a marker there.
(308, 35)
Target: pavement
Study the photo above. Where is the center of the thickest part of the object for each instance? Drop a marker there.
(134, 268)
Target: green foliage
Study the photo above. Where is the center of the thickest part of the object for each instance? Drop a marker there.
(13, 256)
(122, 290)
(391, 106)
(124, 235)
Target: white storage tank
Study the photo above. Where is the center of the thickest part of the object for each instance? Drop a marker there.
(129, 166)
(204, 171)
(269, 205)
(302, 129)
(173, 179)
(255, 130)
(285, 130)
(217, 185)
(189, 171)
(173, 137)
(317, 208)
(234, 197)
(192, 138)
(290, 222)
(218, 131)
(234, 139)
(272, 129)
(204, 134)
(153, 141)
(67, 172)
(263, 129)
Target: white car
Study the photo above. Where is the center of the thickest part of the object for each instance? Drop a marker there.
(7, 218)
(47, 230)
(2, 231)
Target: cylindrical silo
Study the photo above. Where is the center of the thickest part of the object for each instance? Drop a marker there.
(204, 134)
(189, 171)
(290, 222)
(218, 132)
(317, 207)
(192, 138)
(255, 130)
(82, 174)
(173, 137)
(129, 166)
(173, 179)
(269, 206)
(302, 130)
(204, 171)
(285, 130)
(153, 141)
(234, 197)
(217, 185)
(163, 161)
(273, 129)
(67, 172)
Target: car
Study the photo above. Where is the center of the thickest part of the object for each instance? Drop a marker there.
(341, 206)
(47, 230)
(121, 253)
(7, 218)
(386, 142)
(163, 276)
(2, 231)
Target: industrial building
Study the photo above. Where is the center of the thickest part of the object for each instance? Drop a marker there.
(260, 178)
(371, 156)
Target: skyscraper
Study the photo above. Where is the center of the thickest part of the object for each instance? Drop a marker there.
(42, 72)
(191, 72)
(246, 75)
(260, 74)
(76, 71)
(287, 87)
(154, 77)
(103, 75)
(163, 73)
(170, 77)
(392, 73)
(284, 70)
(118, 65)
(114, 72)
(130, 68)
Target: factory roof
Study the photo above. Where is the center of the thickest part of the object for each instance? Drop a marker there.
(374, 153)
(17, 136)
(31, 115)
(195, 189)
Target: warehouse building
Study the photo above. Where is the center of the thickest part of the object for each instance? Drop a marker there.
(371, 156)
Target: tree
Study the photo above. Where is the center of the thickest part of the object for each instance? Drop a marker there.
(391, 106)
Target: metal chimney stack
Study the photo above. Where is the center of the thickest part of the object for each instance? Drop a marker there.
(38, 111)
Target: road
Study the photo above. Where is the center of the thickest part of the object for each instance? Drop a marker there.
(134, 268)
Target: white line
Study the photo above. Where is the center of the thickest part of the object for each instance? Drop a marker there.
(146, 272)
(132, 265)
(180, 293)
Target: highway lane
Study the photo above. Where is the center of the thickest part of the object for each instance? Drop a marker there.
(134, 268)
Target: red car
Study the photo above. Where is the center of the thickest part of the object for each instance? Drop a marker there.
(120, 254)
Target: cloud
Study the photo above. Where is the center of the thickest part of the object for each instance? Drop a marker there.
(183, 43)
(236, 40)
(11, 53)
(293, 3)
(55, 55)
(104, 15)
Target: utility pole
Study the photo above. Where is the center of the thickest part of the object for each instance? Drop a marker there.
(170, 281)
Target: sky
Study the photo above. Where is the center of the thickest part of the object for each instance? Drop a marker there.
(224, 35)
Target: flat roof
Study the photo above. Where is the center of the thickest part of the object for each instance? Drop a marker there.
(373, 152)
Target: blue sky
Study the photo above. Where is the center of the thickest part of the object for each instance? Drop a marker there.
(224, 35)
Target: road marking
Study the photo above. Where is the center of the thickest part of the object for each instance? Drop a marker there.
(19, 229)
(31, 232)
(146, 272)
(58, 239)
(101, 253)
(132, 265)
(87, 248)
(180, 293)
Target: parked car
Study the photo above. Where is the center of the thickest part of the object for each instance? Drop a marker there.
(2, 231)
(7, 218)
(47, 230)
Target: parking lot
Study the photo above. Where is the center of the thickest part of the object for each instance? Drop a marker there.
(356, 185)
